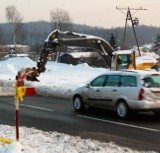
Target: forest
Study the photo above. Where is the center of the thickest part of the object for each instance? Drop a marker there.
(34, 34)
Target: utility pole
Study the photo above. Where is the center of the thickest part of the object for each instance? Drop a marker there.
(134, 22)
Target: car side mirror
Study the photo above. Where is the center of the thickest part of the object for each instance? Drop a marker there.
(87, 85)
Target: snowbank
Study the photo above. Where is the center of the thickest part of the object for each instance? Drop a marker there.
(37, 141)
(59, 80)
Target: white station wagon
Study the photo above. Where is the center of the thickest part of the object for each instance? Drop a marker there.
(123, 91)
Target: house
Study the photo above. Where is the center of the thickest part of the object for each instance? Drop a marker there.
(13, 49)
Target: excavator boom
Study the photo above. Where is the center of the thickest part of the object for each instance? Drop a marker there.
(60, 38)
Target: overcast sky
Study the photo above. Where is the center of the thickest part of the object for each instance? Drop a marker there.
(101, 13)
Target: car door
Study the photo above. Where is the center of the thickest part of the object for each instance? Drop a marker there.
(128, 88)
(94, 94)
(110, 91)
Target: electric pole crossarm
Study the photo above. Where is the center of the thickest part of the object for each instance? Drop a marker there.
(134, 22)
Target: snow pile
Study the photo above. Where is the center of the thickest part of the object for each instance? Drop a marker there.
(146, 50)
(37, 141)
(58, 80)
(15, 147)
(61, 79)
(10, 67)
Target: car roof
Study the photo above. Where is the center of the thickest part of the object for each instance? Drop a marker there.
(120, 72)
(147, 72)
(141, 73)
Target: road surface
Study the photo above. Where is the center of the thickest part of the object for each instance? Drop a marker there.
(140, 131)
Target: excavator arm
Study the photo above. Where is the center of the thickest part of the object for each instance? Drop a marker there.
(60, 38)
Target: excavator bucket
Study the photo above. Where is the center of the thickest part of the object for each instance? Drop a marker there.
(32, 74)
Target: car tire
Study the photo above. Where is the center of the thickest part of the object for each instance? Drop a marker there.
(122, 110)
(78, 104)
(156, 112)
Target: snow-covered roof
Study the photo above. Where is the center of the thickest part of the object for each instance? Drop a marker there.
(82, 54)
(122, 52)
(16, 55)
(13, 46)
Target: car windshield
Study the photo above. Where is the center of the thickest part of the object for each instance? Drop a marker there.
(123, 61)
(152, 81)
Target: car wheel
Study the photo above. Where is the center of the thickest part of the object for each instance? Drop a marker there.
(122, 110)
(156, 112)
(78, 103)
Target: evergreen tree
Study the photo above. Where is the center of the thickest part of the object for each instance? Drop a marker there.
(2, 38)
(156, 44)
(113, 42)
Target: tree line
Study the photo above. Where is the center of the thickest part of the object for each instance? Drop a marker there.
(34, 33)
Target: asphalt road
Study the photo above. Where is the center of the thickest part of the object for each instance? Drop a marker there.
(140, 131)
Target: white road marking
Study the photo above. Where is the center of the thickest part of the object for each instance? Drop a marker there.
(129, 125)
(41, 108)
(35, 107)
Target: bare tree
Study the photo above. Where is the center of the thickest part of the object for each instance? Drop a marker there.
(60, 19)
(15, 19)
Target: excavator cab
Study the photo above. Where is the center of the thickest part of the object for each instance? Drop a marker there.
(127, 59)
(123, 60)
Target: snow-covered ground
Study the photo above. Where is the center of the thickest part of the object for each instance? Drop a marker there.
(37, 141)
(58, 80)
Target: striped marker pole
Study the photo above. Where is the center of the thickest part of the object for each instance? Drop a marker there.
(17, 124)
(19, 83)
(20, 92)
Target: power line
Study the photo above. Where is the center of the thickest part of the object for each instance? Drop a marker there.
(133, 21)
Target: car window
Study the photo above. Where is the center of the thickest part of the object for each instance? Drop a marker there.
(99, 81)
(128, 81)
(112, 80)
(152, 81)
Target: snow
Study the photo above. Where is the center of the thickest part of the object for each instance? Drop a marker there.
(82, 54)
(145, 59)
(13, 55)
(37, 141)
(122, 52)
(58, 80)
